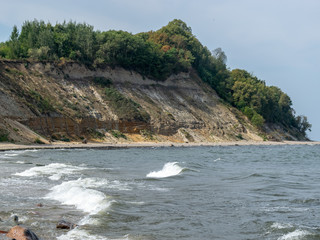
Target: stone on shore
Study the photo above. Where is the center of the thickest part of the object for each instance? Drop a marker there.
(21, 233)
(66, 225)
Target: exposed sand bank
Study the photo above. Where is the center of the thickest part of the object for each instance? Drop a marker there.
(75, 145)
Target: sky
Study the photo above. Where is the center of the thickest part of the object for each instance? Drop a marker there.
(276, 40)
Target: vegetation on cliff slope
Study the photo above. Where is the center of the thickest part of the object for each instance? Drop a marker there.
(156, 54)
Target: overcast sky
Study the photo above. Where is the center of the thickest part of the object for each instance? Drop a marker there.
(276, 40)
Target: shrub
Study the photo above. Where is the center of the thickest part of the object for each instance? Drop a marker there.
(4, 136)
(105, 82)
(257, 120)
(239, 136)
(38, 141)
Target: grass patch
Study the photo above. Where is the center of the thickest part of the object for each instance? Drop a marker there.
(96, 134)
(263, 136)
(14, 72)
(147, 134)
(125, 108)
(239, 136)
(187, 135)
(118, 134)
(43, 104)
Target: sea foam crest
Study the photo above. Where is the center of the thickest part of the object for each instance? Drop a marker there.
(168, 170)
(80, 194)
(295, 235)
(54, 170)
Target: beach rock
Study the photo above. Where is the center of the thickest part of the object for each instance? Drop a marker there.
(39, 205)
(84, 141)
(66, 225)
(21, 233)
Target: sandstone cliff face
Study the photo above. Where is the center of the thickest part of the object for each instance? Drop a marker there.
(64, 101)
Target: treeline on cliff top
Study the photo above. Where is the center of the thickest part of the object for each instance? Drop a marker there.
(155, 54)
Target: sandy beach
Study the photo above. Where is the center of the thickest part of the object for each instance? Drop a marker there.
(77, 145)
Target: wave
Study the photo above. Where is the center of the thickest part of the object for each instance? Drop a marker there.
(11, 154)
(121, 186)
(14, 153)
(80, 194)
(169, 169)
(54, 170)
(283, 209)
(295, 235)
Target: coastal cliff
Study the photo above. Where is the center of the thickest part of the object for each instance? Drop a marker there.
(68, 101)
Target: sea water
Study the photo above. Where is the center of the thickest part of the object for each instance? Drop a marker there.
(231, 192)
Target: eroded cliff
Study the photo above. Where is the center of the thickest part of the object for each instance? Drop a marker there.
(68, 101)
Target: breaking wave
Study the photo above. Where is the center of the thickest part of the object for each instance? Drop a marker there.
(80, 193)
(169, 169)
(295, 235)
(54, 170)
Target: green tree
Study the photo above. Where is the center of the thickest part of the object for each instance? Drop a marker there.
(14, 46)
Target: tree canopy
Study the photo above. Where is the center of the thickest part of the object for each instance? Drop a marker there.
(156, 54)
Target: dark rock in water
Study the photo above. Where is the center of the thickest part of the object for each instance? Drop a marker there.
(39, 205)
(66, 225)
(16, 219)
(21, 233)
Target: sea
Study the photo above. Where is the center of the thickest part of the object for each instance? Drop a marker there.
(218, 192)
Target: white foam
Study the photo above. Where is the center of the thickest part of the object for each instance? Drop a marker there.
(118, 185)
(168, 170)
(79, 194)
(11, 154)
(80, 234)
(87, 220)
(77, 234)
(281, 225)
(296, 235)
(54, 170)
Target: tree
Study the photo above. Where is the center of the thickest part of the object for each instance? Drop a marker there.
(303, 124)
(13, 44)
(220, 55)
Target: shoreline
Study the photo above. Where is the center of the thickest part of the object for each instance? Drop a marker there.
(77, 145)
